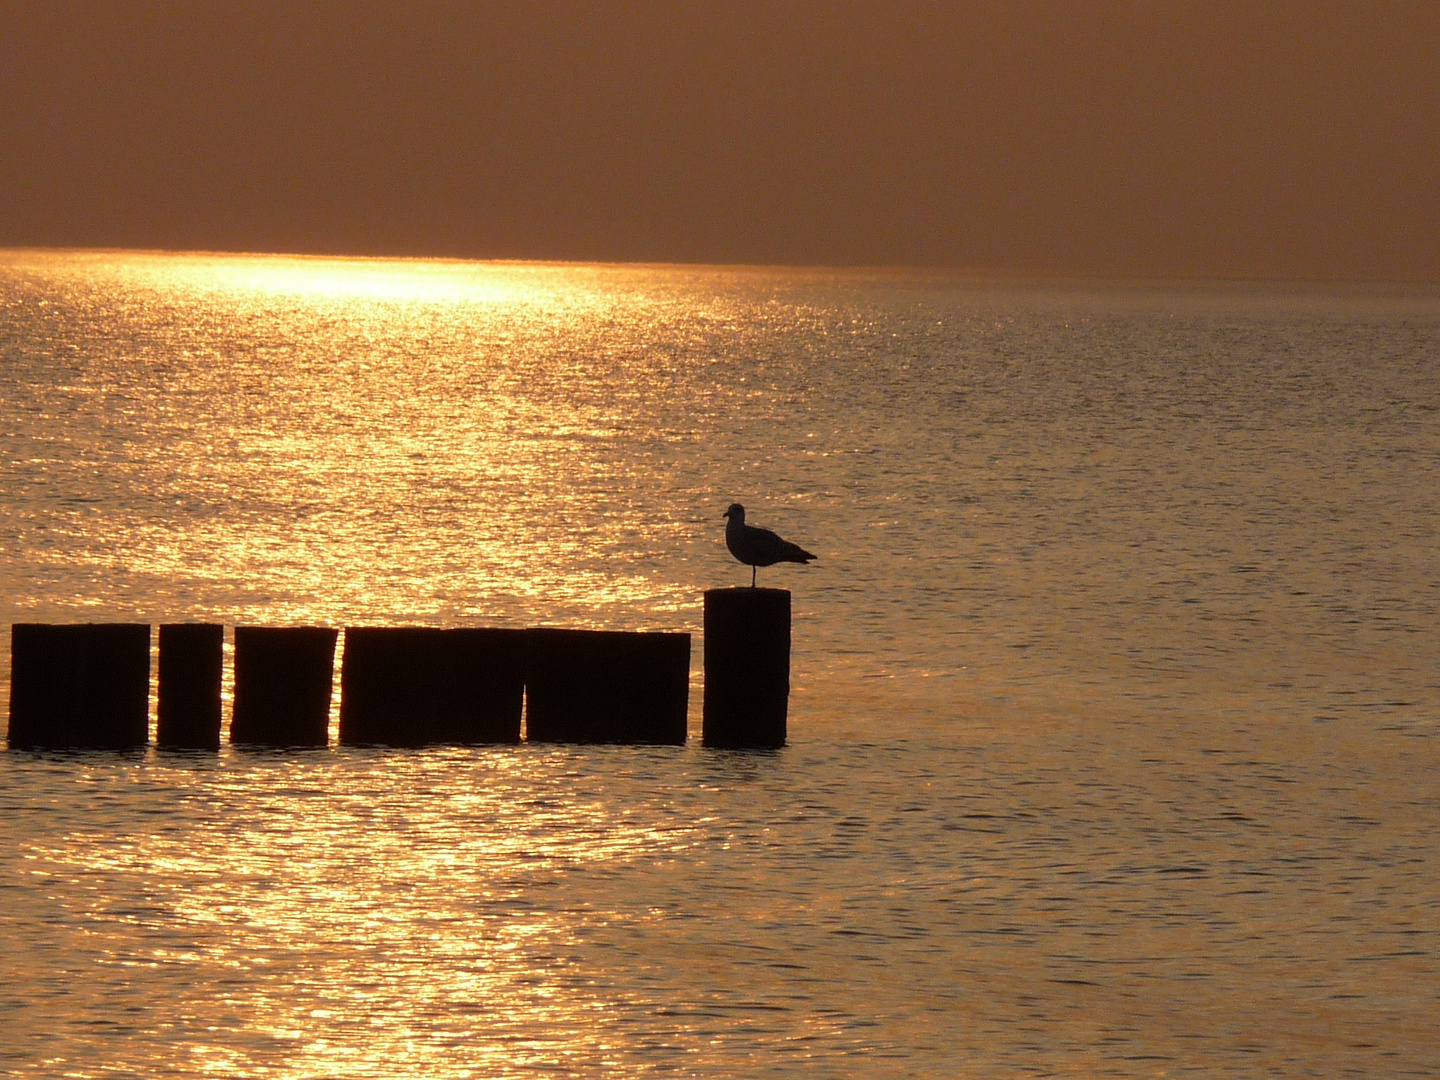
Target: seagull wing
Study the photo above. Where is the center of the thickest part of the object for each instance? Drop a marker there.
(764, 548)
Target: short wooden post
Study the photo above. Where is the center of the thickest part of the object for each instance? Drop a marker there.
(81, 685)
(188, 712)
(412, 685)
(598, 686)
(283, 681)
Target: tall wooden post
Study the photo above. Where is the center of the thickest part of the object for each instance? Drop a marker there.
(747, 667)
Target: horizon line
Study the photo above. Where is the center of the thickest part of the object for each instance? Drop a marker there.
(979, 274)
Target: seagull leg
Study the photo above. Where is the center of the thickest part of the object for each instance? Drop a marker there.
(753, 569)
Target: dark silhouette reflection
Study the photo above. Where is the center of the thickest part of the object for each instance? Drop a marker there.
(85, 754)
(408, 686)
(79, 685)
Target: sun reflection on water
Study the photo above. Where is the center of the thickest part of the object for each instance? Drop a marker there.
(378, 440)
(192, 277)
(404, 926)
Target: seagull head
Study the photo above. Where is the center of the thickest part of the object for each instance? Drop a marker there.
(736, 511)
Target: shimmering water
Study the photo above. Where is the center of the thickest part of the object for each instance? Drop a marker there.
(1116, 719)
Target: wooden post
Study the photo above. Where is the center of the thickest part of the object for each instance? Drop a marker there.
(82, 685)
(747, 667)
(597, 686)
(283, 680)
(412, 685)
(191, 658)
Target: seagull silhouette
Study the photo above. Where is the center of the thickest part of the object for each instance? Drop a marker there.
(757, 547)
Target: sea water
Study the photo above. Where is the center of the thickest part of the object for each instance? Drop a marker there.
(1115, 723)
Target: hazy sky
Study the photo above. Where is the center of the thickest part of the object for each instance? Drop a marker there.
(1271, 138)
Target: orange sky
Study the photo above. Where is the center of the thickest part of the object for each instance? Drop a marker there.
(1281, 138)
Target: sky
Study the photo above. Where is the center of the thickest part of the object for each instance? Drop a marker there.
(1216, 138)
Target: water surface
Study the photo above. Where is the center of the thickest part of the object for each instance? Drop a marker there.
(1115, 716)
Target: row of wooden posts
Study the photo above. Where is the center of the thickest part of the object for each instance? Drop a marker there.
(88, 685)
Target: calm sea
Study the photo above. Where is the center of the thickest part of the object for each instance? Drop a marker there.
(1115, 732)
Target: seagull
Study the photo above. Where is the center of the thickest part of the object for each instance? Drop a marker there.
(758, 547)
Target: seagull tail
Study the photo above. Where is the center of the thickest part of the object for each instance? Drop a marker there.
(795, 553)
